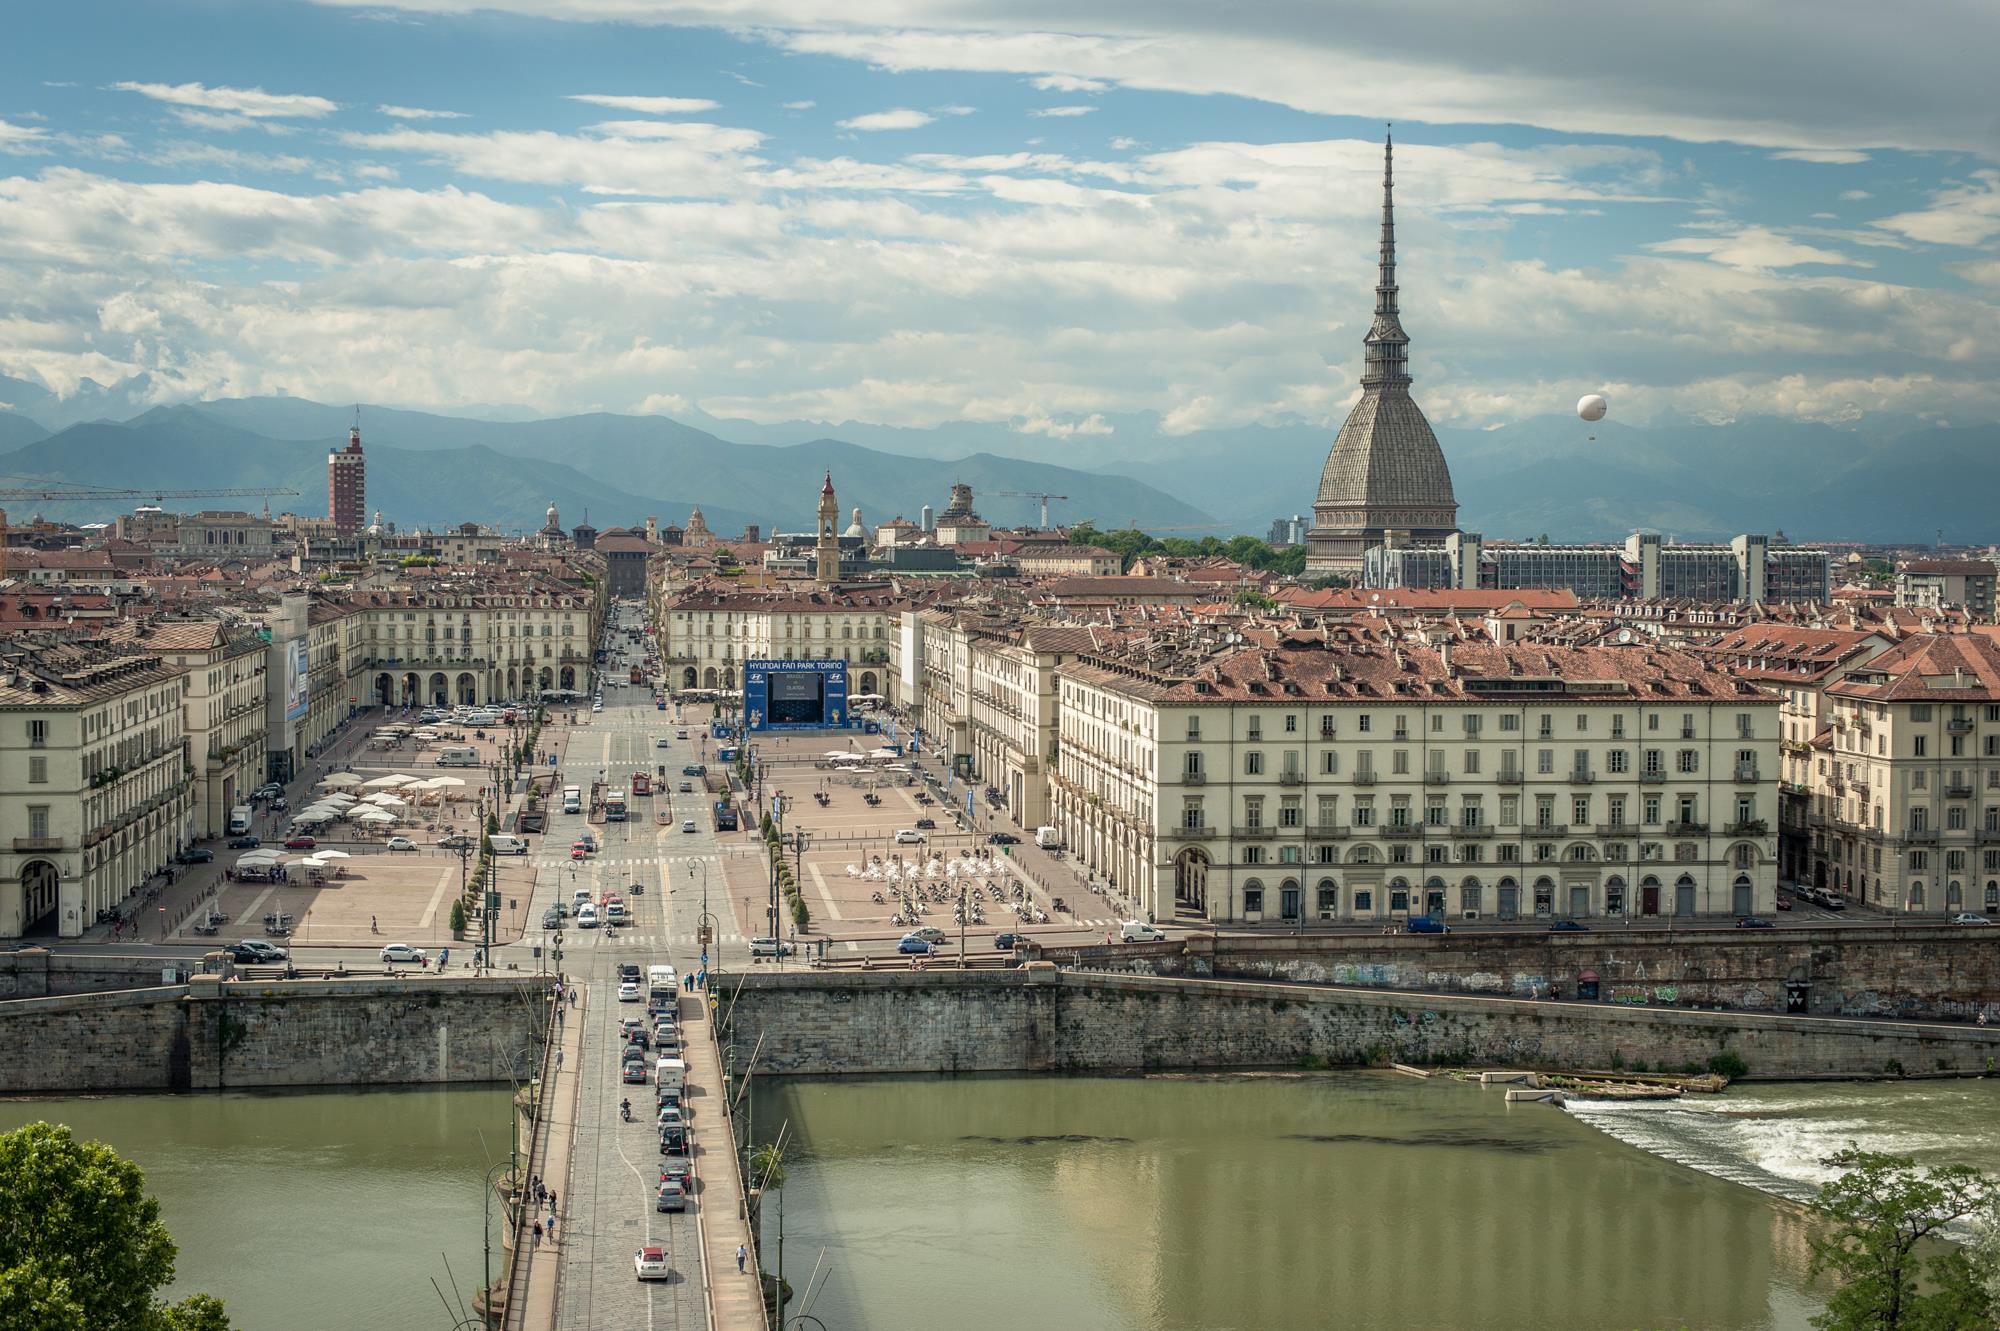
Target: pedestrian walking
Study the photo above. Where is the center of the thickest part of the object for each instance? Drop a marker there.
(552, 1226)
(560, 1014)
(572, 998)
(742, 1255)
(538, 1233)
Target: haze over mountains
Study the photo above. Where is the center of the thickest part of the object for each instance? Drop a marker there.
(1877, 478)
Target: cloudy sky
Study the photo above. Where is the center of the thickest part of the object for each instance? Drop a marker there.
(1018, 211)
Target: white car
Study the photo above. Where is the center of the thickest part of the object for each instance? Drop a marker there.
(628, 992)
(651, 1263)
(400, 843)
(663, 743)
(586, 916)
(1967, 917)
(403, 952)
(909, 837)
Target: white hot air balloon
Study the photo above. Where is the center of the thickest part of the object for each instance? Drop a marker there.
(1592, 406)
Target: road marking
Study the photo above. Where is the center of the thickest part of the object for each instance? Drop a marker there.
(437, 898)
(832, 911)
(250, 911)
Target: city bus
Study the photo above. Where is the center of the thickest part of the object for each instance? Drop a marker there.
(614, 806)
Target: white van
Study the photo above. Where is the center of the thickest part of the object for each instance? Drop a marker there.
(586, 916)
(1047, 838)
(506, 844)
(458, 755)
(1138, 931)
(671, 1074)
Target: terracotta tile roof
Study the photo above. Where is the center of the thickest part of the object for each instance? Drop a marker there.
(1945, 667)
(1442, 598)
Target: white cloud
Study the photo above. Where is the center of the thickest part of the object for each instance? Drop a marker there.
(1754, 247)
(800, 106)
(651, 106)
(1960, 215)
(1823, 156)
(1063, 111)
(954, 110)
(1985, 272)
(419, 113)
(20, 139)
(679, 158)
(254, 103)
(1121, 143)
(1093, 424)
(1855, 195)
(901, 117)
(1069, 83)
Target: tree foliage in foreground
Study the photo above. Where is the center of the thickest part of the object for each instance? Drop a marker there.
(83, 1248)
(1884, 1245)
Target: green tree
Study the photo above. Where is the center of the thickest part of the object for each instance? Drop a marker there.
(767, 1167)
(801, 916)
(86, 1250)
(1885, 1215)
(457, 915)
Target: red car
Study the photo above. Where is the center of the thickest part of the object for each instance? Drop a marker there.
(300, 843)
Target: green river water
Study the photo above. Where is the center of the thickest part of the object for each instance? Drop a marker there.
(1360, 1200)
(315, 1211)
(1351, 1200)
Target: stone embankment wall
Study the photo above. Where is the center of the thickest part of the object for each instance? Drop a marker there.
(212, 1035)
(36, 972)
(825, 1023)
(1921, 974)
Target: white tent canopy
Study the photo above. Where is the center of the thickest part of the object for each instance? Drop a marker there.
(389, 782)
(339, 779)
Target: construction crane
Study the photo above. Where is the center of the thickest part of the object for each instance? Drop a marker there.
(83, 493)
(1040, 496)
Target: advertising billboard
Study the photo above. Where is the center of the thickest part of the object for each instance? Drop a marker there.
(295, 679)
(795, 695)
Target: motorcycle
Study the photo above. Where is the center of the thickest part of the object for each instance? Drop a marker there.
(625, 1110)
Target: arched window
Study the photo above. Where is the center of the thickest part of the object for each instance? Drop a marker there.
(1253, 897)
(1917, 895)
(1328, 899)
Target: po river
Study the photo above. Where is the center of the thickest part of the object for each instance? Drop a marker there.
(313, 1211)
(1358, 1200)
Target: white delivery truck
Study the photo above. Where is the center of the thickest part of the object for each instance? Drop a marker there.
(572, 799)
(239, 820)
(671, 1074)
(1048, 838)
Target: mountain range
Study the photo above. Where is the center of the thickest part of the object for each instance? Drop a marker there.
(1875, 478)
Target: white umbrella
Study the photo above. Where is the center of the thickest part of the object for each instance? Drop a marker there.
(374, 816)
(441, 782)
(387, 782)
(338, 799)
(331, 855)
(339, 779)
(254, 858)
(386, 801)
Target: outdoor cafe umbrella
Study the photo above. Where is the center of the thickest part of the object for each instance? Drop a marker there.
(385, 800)
(331, 855)
(339, 779)
(387, 782)
(441, 782)
(374, 816)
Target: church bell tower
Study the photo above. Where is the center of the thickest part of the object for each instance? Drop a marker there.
(827, 552)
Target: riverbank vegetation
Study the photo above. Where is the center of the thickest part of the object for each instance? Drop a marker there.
(86, 1250)
(1884, 1214)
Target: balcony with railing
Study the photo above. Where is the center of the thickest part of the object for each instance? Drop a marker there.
(1921, 836)
(1260, 832)
(1437, 778)
(1958, 790)
(25, 844)
(1401, 831)
(1549, 829)
(1652, 778)
(1185, 832)
(1363, 778)
(1581, 776)
(1194, 778)
(1508, 776)
(1747, 827)
(1687, 829)
(1339, 831)
(1959, 727)
(1291, 778)
(1746, 771)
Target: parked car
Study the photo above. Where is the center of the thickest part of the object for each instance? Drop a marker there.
(244, 843)
(255, 950)
(914, 945)
(403, 952)
(197, 855)
(1568, 927)
(628, 993)
(687, 787)
(926, 824)
(909, 836)
(399, 843)
(651, 1263)
(1967, 917)
(300, 842)
(1752, 922)
(1003, 839)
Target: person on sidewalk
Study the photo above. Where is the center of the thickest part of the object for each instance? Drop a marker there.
(742, 1255)
(538, 1233)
